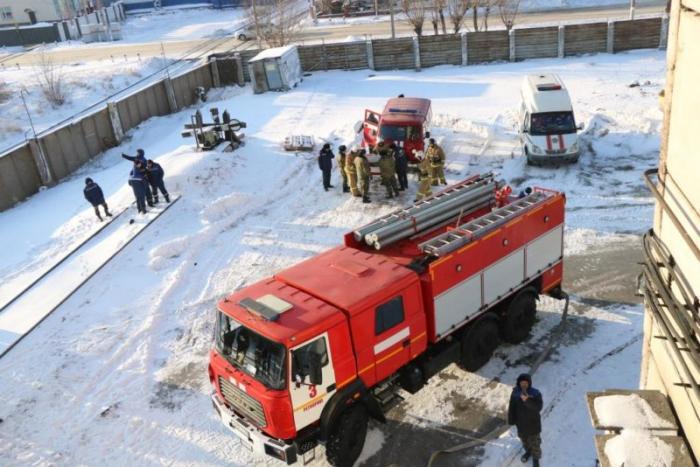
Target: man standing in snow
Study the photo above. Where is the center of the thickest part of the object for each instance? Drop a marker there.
(138, 183)
(155, 179)
(93, 193)
(139, 157)
(342, 157)
(139, 161)
(401, 166)
(363, 173)
(524, 412)
(325, 163)
(436, 156)
(351, 171)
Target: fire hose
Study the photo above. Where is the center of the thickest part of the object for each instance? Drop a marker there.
(502, 428)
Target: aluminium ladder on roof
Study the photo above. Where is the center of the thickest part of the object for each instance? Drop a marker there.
(419, 206)
(450, 241)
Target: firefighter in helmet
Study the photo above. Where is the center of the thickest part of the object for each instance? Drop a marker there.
(363, 174)
(424, 180)
(436, 156)
(351, 171)
(387, 170)
(342, 156)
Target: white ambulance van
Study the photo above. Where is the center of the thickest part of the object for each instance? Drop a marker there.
(547, 125)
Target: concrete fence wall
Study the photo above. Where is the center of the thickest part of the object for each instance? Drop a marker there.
(59, 152)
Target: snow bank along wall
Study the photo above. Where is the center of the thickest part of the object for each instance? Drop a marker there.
(59, 151)
(671, 354)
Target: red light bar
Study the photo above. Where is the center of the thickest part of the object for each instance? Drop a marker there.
(548, 87)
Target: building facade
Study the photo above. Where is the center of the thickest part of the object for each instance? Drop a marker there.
(20, 12)
(671, 278)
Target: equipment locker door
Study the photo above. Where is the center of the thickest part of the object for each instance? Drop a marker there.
(370, 127)
(312, 379)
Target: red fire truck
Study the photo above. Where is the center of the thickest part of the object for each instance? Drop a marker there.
(404, 121)
(309, 354)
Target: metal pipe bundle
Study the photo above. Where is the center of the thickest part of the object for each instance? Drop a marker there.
(381, 234)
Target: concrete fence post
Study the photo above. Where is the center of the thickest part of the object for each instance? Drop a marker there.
(416, 53)
(215, 78)
(116, 121)
(663, 37)
(240, 77)
(370, 55)
(41, 162)
(170, 92)
(465, 49)
(560, 41)
(610, 47)
(511, 44)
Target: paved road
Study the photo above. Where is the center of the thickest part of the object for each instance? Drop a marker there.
(198, 47)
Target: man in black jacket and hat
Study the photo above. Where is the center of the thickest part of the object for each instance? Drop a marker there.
(524, 412)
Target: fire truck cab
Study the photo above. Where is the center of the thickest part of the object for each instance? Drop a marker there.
(404, 121)
(308, 355)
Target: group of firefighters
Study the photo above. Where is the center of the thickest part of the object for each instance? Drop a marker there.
(355, 169)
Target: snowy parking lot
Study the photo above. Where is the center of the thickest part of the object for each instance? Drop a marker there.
(117, 375)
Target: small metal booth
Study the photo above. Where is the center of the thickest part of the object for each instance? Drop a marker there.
(276, 69)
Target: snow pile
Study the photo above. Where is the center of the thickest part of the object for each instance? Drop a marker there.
(638, 448)
(627, 411)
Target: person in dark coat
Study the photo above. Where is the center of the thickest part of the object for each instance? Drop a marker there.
(401, 166)
(139, 161)
(93, 193)
(325, 163)
(155, 179)
(138, 183)
(524, 412)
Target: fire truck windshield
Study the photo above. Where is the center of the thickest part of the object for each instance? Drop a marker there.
(399, 133)
(250, 352)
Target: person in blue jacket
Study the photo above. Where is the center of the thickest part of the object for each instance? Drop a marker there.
(93, 193)
(325, 163)
(140, 159)
(138, 183)
(155, 178)
(524, 412)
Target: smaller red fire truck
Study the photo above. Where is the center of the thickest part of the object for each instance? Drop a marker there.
(309, 354)
(404, 121)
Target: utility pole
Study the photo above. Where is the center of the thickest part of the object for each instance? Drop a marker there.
(391, 12)
(376, 7)
(26, 109)
(632, 5)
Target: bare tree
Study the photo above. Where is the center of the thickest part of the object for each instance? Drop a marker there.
(457, 10)
(487, 5)
(415, 14)
(275, 22)
(440, 6)
(508, 11)
(49, 77)
(475, 5)
(434, 18)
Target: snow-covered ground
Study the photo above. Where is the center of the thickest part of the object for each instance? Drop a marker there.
(83, 84)
(117, 375)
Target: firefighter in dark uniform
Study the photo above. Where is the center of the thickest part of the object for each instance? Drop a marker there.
(139, 160)
(325, 163)
(138, 183)
(93, 193)
(401, 166)
(155, 179)
(387, 169)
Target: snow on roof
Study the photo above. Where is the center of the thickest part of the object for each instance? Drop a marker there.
(275, 52)
(545, 93)
(628, 411)
(638, 447)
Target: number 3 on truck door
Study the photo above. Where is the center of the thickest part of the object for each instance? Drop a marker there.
(312, 380)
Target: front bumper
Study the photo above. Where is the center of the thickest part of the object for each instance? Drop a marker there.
(553, 158)
(251, 437)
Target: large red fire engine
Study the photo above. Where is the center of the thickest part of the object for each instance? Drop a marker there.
(308, 355)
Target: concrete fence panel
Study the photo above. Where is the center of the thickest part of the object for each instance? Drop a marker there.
(488, 46)
(536, 43)
(245, 56)
(19, 177)
(393, 54)
(228, 70)
(98, 133)
(312, 58)
(637, 34)
(347, 56)
(440, 50)
(585, 38)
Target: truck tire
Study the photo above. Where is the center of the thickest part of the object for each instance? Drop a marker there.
(518, 320)
(479, 342)
(346, 441)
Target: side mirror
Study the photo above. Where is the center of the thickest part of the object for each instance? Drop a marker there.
(579, 126)
(297, 380)
(427, 134)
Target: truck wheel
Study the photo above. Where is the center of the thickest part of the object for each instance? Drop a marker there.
(517, 323)
(478, 343)
(346, 441)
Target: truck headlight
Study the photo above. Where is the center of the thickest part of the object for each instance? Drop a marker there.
(536, 149)
(574, 147)
(275, 452)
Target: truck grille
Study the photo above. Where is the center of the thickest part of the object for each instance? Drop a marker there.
(555, 151)
(242, 402)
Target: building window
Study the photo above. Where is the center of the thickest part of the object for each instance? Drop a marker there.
(5, 13)
(388, 315)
